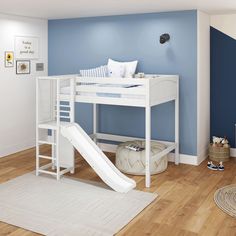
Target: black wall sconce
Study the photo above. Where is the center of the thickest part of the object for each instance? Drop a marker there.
(164, 38)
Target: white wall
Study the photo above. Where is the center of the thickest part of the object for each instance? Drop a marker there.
(17, 92)
(203, 86)
(225, 23)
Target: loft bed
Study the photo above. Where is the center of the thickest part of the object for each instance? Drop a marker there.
(137, 92)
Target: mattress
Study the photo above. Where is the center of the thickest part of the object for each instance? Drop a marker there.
(66, 91)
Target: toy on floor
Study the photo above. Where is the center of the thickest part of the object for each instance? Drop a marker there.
(225, 143)
(212, 166)
(220, 142)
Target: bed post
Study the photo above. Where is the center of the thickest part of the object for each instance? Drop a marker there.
(147, 137)
(72, 112)
(58, 130)
(95, 121)
(37, 123)
(177, 124)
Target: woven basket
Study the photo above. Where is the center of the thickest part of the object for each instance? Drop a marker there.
(219, 153)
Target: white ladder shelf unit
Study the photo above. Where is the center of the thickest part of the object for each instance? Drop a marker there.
(51, 115)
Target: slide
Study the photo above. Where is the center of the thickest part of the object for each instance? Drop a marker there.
(97, 159)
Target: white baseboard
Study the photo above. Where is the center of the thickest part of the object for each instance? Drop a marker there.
(184, 159)
(202, 155)
(233, 152)
(17, 148)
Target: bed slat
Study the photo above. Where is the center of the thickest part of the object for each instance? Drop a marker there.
(110, 90)
(102, 80)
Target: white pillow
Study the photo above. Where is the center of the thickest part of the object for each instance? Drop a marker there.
(115, 69)
(129, 67)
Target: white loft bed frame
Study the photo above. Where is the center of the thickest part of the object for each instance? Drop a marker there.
(151, 91)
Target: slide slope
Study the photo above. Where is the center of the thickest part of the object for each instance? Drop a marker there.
(97, 159)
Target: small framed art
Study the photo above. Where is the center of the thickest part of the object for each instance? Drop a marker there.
(26, 47)
(22, 67)
(9, 59)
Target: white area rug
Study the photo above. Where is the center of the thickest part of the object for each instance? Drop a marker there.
(68, 207)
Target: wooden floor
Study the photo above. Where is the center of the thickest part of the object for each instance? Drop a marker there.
(184, 207)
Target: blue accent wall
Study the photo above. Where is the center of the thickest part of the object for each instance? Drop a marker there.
(223, 85)
(82, 43)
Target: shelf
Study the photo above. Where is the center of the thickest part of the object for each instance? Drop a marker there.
(51, 125)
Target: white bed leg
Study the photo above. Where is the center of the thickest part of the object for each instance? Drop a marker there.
(95, 121)
(53, 149)
(58, 131)
(148, 146)
(37, 129)
(72, 113)
(177, 126)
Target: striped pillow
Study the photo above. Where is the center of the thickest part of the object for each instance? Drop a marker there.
(101, 71)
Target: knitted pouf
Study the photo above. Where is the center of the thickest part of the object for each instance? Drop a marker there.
(132, 162)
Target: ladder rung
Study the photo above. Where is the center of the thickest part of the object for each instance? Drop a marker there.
(65, 117)
(65, 106)
(46, 166)
(45, 142)
(46, 157)
(62, 172)
(68, 112)
(47, 172)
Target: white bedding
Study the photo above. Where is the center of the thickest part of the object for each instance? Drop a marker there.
(66, 90)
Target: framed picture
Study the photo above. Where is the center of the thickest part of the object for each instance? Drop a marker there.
(22, 67)
(26, 47)
(9, 59)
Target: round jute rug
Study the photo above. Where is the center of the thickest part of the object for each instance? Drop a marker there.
(225, 199)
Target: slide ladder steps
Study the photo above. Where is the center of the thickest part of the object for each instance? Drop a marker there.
(46, 142)
(64, 117)
(47, 172)
(64, 114)
(64, 111)
(62, 106)
(46, 157)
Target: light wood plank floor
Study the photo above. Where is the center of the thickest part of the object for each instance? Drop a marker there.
(185, 206)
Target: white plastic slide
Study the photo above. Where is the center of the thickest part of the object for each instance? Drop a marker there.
(97, 159)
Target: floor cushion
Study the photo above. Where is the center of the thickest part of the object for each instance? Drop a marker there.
(132, 162)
